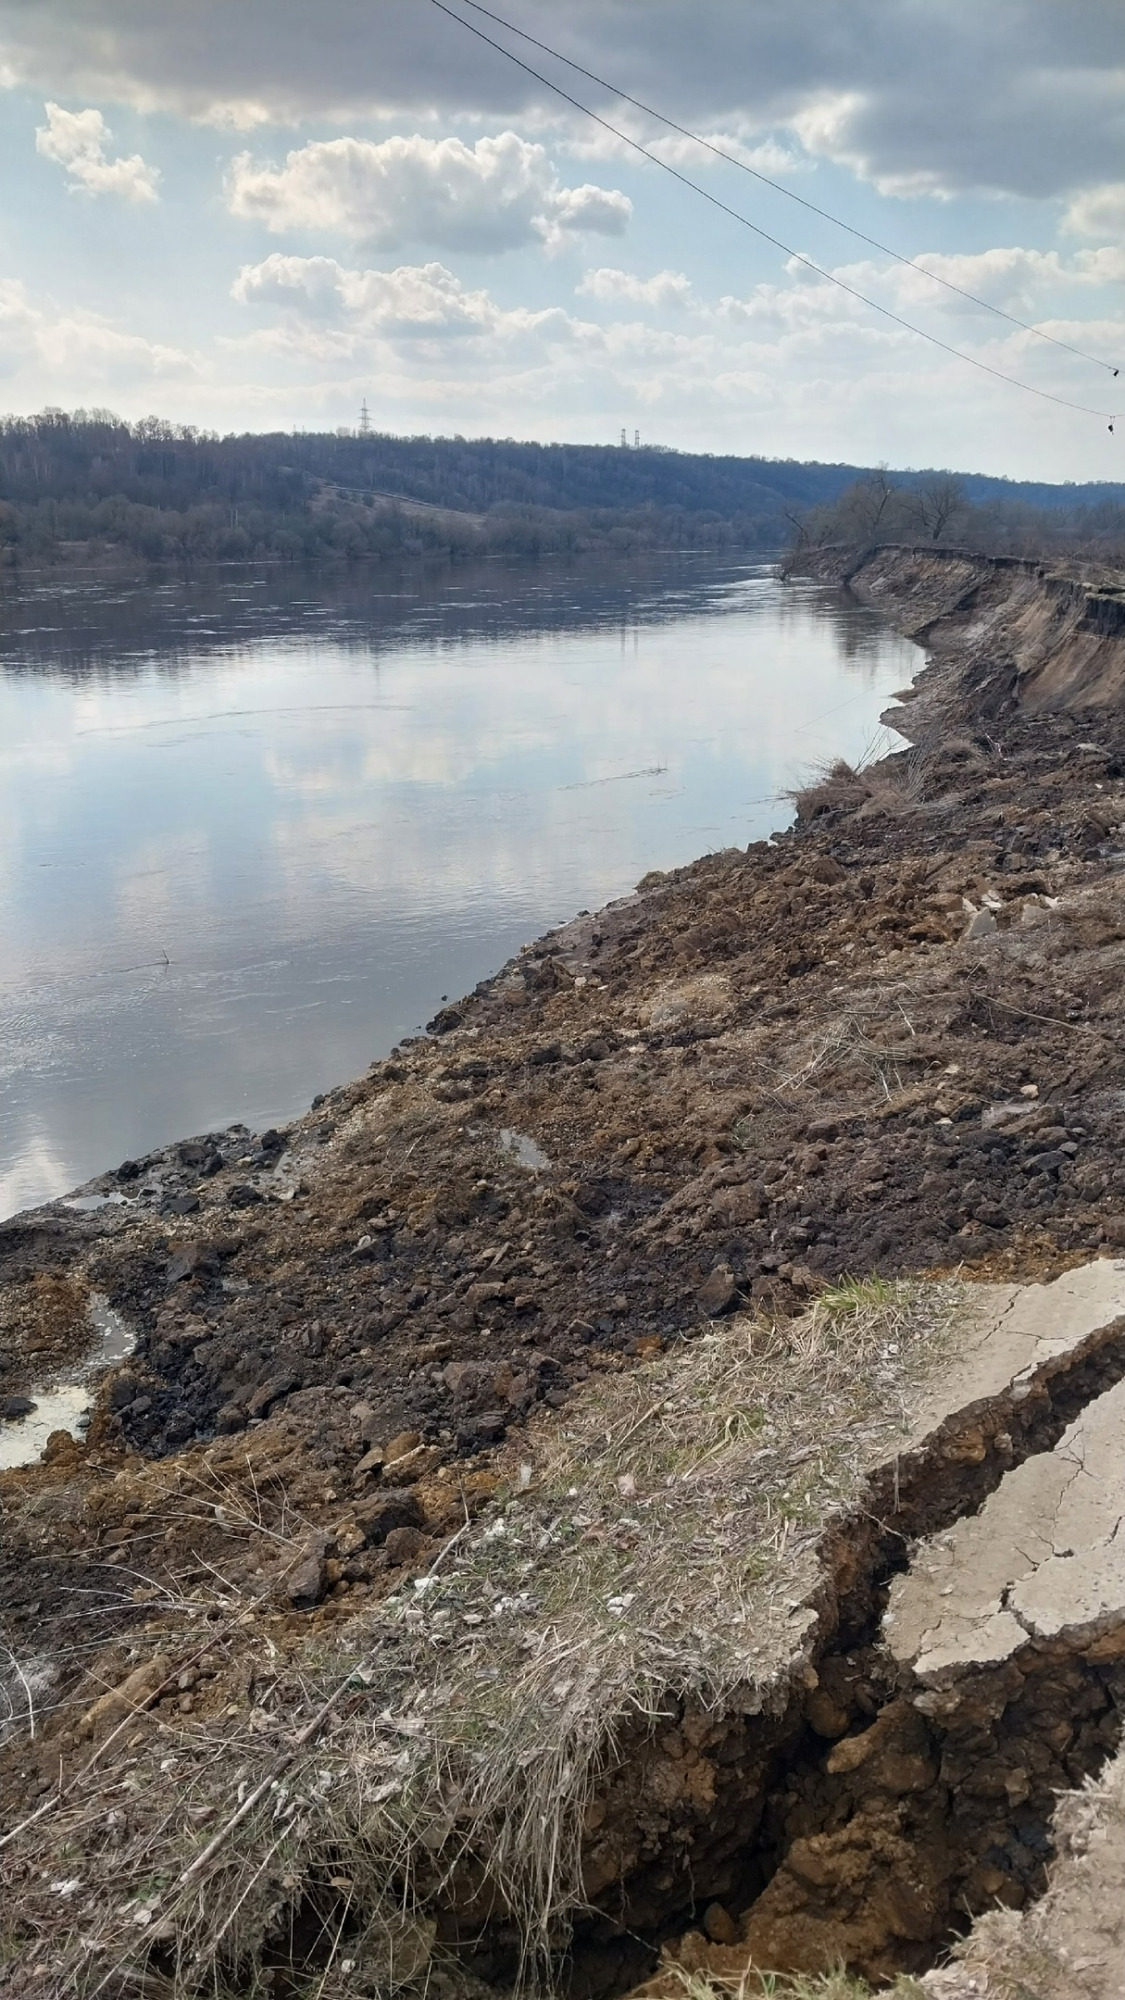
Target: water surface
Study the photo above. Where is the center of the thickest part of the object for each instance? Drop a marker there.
(254, 826)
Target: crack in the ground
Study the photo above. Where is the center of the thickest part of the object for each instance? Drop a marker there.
(873, 1834)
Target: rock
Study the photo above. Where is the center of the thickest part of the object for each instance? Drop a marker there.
(271, 1391)
(719, 1924)
(187, 1260)
(993, 1218)
(181, 1204)
(1113, 1229)
(825, 1715)
(467, 1378)
(403, 1545)
(242, 1195)
(400, 1445)
(370, 1463)
(718, 1292)
(14, 1407)
(397, 1508)
(308, 1580)
(231, 1417)
(129, 1170)
(132, 1695)
(488, 1428)
(981, 924)
(124, 1389)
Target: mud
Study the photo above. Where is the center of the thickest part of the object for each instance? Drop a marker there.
(764, 1071)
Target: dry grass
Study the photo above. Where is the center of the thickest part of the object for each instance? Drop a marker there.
(783, 1986)
(884, 779)
(658, 1543)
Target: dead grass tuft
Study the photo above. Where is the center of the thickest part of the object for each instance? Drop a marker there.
(891, 782)
(658, 1543)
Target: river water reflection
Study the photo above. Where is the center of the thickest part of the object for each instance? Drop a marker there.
(254, 827)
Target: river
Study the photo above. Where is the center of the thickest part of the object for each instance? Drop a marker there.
(255, 824)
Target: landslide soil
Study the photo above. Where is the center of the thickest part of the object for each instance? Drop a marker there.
(759, 1073)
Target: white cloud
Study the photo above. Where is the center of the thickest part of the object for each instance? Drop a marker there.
(81, 348)
(331, 309)
(77, 140)
(664, 288)
(498, 194)
(410, 301)
(1098, 211)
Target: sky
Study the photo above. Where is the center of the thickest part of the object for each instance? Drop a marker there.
(256, 214)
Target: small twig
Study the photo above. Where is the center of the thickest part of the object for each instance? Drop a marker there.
(26, 1685)
(643, 1419)
(266, 1784)
(450, 1544)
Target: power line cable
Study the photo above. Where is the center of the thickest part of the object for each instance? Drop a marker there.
(985, 367)
(791, 194)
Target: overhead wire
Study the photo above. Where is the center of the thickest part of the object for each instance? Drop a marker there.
(795, 256)
(826, 215)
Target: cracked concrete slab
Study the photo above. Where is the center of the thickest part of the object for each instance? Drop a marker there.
(1044, 1559)
(1018, 1333)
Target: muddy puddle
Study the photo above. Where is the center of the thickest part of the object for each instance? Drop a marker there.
(65, 1405)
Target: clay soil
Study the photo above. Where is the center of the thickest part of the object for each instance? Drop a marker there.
(760, 1073)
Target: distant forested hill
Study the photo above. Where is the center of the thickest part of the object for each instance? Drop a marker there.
(89, 481)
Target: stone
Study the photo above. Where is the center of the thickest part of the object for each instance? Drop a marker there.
(719, 1924)
(396, 1508)
(181, 1204)
(271, 1391)
(826, 1716)
(188, 1260)
(486, 1429)
(467, 1378)
(242, 1195)
(718, 1292)
(230, 1417)
(404, 1545)
(14, 1407)
(131, 1696)
(399, 1446)
(981, 924)
(308, 1580)
(124, 1389)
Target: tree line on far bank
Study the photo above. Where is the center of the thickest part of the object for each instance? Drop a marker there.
(87, 485)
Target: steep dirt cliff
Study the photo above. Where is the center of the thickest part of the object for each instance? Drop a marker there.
(1005, 627)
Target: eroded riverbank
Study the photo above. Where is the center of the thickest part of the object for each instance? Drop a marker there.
(888, 1042)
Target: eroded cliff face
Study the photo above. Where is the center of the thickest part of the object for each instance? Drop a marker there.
(1050, 638)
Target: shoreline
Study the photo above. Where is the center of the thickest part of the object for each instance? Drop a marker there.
(885, 1045)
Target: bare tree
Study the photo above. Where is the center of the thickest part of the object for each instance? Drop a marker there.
(937, 502)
